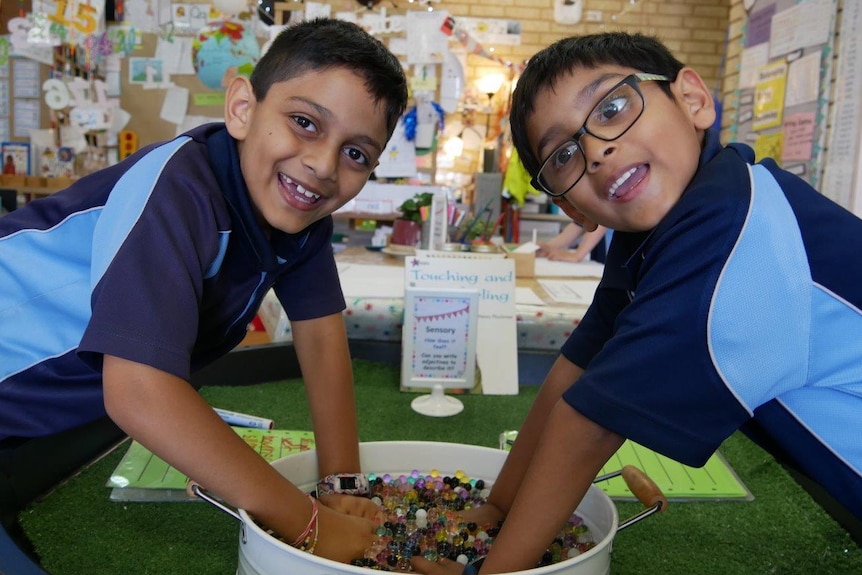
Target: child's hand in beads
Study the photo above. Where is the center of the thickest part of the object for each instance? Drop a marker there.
(487, 514)
(353, 505)
(343, 537)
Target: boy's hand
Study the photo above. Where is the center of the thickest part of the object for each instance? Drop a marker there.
(440, 567)
(353, 505)
(487, 514)
(342, 537)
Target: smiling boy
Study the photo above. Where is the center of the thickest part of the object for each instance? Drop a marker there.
(726, 302)
(115, 290)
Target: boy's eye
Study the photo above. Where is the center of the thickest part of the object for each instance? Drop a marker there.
(357, 156)
(564, 154)
(304, 123)
(610, 107)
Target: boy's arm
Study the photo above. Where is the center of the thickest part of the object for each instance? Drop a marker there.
(167, 415)
(561, 241)
(560, 377)
(324, 357)
(570, 452)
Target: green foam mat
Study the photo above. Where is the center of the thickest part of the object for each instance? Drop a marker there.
(716, 480)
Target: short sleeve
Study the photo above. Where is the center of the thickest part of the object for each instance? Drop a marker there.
(154, 248)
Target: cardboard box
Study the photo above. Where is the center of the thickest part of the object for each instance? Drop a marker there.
(525, 264)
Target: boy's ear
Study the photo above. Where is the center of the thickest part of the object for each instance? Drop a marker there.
(695, 97)
(239, 106)
(575, 214)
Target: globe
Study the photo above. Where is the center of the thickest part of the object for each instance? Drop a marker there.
(222, 50)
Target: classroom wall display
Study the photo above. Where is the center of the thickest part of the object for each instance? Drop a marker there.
(842, 180)
(784, 83)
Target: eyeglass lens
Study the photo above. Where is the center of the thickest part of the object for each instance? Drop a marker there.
(609, 120)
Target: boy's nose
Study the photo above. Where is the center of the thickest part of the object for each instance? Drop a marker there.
(596, 151)
(322, 160)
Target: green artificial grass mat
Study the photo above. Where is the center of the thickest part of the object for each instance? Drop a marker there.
(77, 531)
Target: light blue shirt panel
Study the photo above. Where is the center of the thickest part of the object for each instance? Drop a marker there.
(215, 265)
(126, 204)
(832, 401)
(48, 293)
(760, 318)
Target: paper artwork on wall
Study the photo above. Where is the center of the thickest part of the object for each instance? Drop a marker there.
(399, 157)
(426, 44)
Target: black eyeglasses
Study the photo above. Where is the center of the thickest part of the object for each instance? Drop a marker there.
(612, 117)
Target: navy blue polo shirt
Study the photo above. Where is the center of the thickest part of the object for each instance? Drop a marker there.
(159, 260)
(741, 309)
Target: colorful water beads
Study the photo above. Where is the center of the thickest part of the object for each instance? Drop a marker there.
(422, 517)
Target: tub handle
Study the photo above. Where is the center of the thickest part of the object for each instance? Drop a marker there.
(644, 488)
(198, 491)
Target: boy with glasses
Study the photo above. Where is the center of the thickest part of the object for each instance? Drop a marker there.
(726, 302)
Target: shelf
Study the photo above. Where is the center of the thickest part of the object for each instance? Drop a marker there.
(544, 217)
(365, 216)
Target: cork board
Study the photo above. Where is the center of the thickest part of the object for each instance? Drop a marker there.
(145, 104)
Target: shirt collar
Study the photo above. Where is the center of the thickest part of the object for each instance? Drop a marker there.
(224, 161)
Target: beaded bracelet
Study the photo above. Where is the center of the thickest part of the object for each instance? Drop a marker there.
(307, 541)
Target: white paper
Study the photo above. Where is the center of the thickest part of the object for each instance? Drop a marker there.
(750, 60)
(371, 281)
(575, 292)
(426, 42)
(73, 137)
(175, 105)
(183, 45)
(550, 268)
(526, 248)
(526, 296)
(167, 52)
(398, 159)
(398, 46)
(803, 25)
(119, 120)
(803, 80)
(27, 114)
(190, 122)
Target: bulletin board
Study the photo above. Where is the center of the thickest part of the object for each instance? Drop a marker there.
(842, 180)
(145, 103)
(784, 83)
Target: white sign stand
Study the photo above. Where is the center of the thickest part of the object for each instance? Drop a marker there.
(439, 346)
(493, 277)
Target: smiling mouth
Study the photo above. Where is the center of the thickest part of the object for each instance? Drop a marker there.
(626, 182)
(298, 191)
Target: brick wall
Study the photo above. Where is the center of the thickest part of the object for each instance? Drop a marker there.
(694, 30)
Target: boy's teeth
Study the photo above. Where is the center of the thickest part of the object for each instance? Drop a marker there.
(302, 190)
(305, 192)
(622, 179)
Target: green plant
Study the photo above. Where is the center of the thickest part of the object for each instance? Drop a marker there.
(410, 208)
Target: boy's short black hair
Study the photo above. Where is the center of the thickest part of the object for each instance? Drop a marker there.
(638, 51)
(323, 43)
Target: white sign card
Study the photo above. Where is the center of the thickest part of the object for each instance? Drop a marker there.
(494, 280)
(438, 220)
(439, 338)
